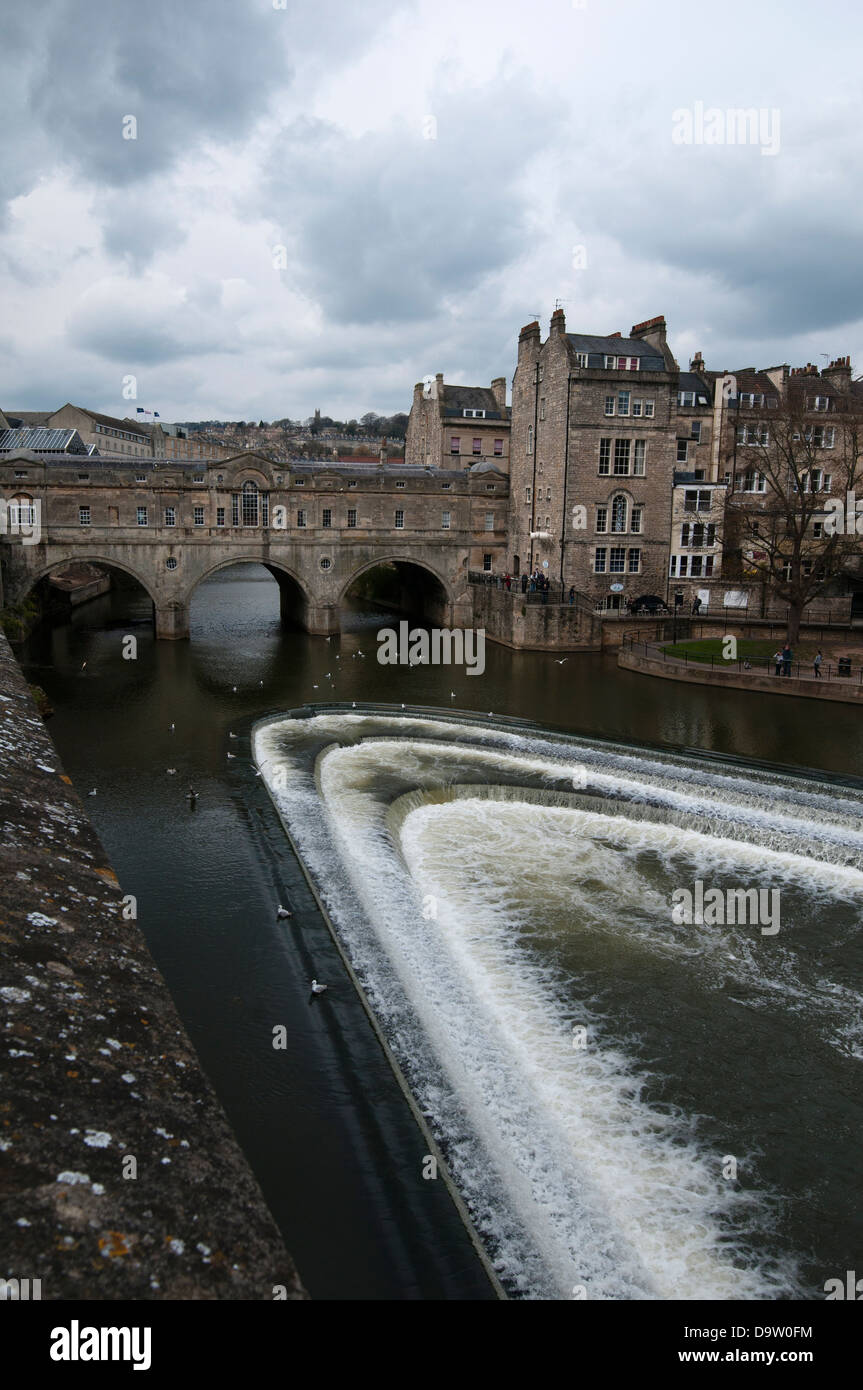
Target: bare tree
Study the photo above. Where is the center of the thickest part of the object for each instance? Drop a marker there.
(788, 462)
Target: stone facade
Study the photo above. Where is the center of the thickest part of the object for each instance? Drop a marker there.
(453, 426)
(316, 526)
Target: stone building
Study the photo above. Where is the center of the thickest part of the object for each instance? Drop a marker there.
(600, 425)
(458, 426)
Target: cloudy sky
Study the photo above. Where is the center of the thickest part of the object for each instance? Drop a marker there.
(325, 203)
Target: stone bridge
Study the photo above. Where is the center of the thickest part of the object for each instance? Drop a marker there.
(317, 527)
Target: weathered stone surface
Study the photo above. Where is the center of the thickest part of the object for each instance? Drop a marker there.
(97, 1070)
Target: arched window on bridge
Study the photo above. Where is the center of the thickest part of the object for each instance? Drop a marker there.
(251, 507)
(250, 503)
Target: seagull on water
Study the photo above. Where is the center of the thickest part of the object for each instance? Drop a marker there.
(318, 989)
(283, 911)
(560, 663)
(171, 771)
(171, 729)
(232, 755)
(192, 796)
(92, 793)
(83, 664)
(234, 688)
(230, 735)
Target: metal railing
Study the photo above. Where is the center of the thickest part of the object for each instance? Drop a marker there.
(842, 669)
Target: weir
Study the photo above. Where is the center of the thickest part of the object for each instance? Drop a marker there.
(459, 872)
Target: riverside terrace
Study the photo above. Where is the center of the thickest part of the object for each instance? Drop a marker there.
(316, 526)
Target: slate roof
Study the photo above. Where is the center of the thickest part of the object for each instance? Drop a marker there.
(690, 381)
(597, 348)
(19, 419)
(459, 398)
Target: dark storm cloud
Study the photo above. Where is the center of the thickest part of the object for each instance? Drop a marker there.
(387, 226)
(189, 72)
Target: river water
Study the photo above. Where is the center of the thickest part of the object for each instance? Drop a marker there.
(632, 1106)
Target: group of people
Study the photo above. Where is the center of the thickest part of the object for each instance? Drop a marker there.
(536, 583)
(783, 659)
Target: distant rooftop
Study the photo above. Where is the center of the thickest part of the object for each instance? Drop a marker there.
(41, 440)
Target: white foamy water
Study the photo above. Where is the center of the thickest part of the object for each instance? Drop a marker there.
(571, 1176)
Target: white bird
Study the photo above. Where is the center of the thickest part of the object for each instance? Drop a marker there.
(327, 676)
(192, 796)
(318, 989)
(171, 771)
(560, 663)
(172, 728)
(353, 704)
(260, 682)
(452, 694)
(92, 793)
(283, 911)
(234, 688)
(337, 658)
(83, 664)
(314, 687)
(402, 706)
(230, 735)
(232, 755)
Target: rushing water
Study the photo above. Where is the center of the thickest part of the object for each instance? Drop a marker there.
(593, 1069)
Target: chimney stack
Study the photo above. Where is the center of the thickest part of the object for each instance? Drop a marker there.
(498, 387)
(558, 323)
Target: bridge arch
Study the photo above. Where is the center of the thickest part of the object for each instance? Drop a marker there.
(108, 563)
(417, 586)
(295, 601)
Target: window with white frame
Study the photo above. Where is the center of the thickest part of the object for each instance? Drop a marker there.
(352, 518)
(327, 517)
(617, 559)
(639, 456)
(498, 448)
(301, 518)
(604, 455)
(400, 520)
(610, 404)
(198, 516)
(528, 494)
(685, 399)
(621, 457)
(649, 409)
(695, 566)
(489, 521)
(618, 513)
(695, 431)
(477, 446)
(530, 439)
(142, 516)
(83, 516)
(602, 519)
(445, 520)
(486, 563)
(220, 516)
(599, 558)
(623, 402)
(635, 520)
(682, 450)
(455, 444)
(581, 359)
(672, 566)
(634, 561)
(170, 516)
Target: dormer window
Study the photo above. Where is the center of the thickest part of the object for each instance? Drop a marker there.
(474, 414)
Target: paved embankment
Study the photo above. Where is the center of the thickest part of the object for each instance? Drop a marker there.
(650, 662)
(119, 1174)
